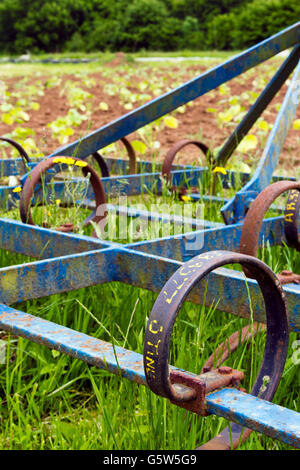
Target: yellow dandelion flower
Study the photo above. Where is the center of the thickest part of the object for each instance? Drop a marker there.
(80, 163)
(18, 189)
(66, 160)
(186, 198)
(220, 169)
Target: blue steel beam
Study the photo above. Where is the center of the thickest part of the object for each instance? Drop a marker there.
(42, 243)
(15, 166)
(182, 247)
(129, 185)
(252, 412)
(17, 237)
(227, 288)
(249, 411)
(55, 275)
(236, 208)
(133, 212)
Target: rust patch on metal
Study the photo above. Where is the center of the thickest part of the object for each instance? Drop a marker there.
(200, 385)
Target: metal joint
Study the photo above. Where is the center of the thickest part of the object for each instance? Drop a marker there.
(202, 384)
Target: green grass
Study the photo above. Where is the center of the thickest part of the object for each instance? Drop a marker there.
(51, 401)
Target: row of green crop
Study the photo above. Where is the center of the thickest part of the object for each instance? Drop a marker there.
(93, 25)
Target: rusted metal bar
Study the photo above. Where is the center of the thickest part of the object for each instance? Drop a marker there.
(253, 221)
(171, 154)
(35, 178)
(158, 264)
(131, 155)
(225, 349)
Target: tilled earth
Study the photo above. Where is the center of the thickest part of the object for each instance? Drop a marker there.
(123, 87)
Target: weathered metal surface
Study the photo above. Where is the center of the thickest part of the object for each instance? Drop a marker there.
(152, 263)
(18, 238)
(43, 278)
(227, 287)
(247, 410)
(131, 185)
(220, 355)
(55, 275)
(288, 277)
(131, 155)
(183, 246)
(14, 167)
(192, 390)
(73, 343)
(115, 166)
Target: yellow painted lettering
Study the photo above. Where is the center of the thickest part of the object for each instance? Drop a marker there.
(152, 326)
(150, 363)
(288, 218)
(291, 206)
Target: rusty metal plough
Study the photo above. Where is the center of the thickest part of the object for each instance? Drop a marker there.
(173, 266)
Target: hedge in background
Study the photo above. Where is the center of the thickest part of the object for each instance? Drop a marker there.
(98, 25)
(252, 23)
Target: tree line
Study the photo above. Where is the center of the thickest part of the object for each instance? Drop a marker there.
(119, 25)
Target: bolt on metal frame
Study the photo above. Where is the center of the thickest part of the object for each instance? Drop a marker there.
(70, 261)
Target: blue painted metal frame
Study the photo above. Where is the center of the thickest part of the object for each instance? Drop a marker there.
(69, 261)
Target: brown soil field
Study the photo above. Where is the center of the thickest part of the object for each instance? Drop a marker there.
(200, 120)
